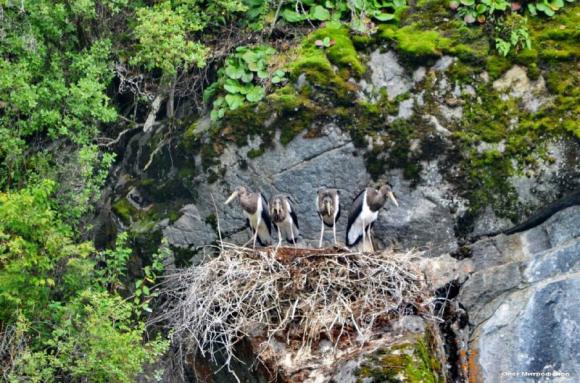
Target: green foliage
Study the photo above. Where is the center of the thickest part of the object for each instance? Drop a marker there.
(360, 13)
(53, 83)
(113, 263)
(547, 7)
(33, 248)
(162, 35)
(480, 10)
(256, 11)
(144, 288)
(484, 10)
(243, 78)
(72, 323)
(94, 339)
(512, 35)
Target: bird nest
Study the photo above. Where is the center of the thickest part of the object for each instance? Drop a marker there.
(289, 295)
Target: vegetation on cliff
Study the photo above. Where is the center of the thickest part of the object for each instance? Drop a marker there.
(79, 77)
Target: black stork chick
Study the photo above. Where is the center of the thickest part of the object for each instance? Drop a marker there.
(364, 212)
(284, 217)
(328, 208)
(255, 208)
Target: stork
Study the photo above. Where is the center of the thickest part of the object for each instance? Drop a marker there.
(255, 208)
(284, 217)
(365, 211)
(328, 208)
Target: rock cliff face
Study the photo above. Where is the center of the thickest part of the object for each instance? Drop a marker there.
(470, 144)
(437, 203)
(520, 303)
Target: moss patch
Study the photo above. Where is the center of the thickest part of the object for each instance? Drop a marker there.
(413, 362)
(416, 44)
(343, 53)
(124, 210)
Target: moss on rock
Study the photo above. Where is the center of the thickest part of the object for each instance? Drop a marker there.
(415, 43)
(413, 361)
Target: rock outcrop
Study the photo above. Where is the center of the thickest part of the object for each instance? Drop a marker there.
(521, 301)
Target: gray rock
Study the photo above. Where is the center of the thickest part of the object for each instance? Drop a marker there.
(451, 114)
(522, 303)
(489, 222)
(444, 63)
(419, 74)
(406, 109)
(190, 229)
(423, 218)
(516, 84)
(537, 184)
(388, 73)
(533, 331)
(561, 260)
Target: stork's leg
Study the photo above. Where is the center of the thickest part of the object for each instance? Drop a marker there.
(279, 235)
(256, 231)
(334, 229)
(321, 234)
(292, 234)
(371, 240)
(364, 236)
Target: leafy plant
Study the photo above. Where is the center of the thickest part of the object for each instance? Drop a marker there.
(325, 43)
(360, 13)
(243, 79)
(144, 288)
(547, 7)
(72, 323)
(482, 10)
(163, 43)
(512, 35)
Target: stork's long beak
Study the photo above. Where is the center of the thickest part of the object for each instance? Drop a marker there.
(392, 197)
(232, 197)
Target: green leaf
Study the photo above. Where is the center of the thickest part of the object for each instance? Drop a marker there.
(254, 66)
(546, 9)
(481, 8)
(291, 16)
(320, 13)
(263, 74)
(468, 2)
(532, 9)
(255, 94)
(234, 101)
(247, 77)
(235, 72)
(382, 16)
(232, 86)
(250, 57)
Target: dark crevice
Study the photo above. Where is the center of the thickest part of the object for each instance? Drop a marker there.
(455, 319)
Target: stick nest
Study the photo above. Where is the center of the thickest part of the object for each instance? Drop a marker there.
(295, 296)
